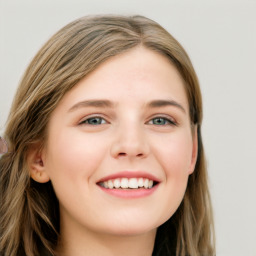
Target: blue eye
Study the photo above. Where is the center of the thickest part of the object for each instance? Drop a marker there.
(161, 121)
(94, 121)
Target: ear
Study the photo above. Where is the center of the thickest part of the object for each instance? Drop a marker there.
(36, 165)
(3, 146)
(194, 150)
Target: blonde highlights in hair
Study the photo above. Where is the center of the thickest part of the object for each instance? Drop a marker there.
(29, 210)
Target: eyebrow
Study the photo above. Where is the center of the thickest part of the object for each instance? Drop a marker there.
(109, 104)
(92, 103)
(164, 103)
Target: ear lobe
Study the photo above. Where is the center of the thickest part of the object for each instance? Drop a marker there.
(36, 166)
(194, 150)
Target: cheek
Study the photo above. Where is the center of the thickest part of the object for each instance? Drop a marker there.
(176, 156)
(74, 156)
(71, 162)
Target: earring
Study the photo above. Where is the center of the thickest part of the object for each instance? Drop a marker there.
(3, 146)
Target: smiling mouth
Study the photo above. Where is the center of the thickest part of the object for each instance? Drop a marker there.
(128, 183)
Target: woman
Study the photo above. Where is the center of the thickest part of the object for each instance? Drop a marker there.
(106, 156)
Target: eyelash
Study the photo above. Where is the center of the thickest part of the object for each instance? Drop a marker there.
(86, 121)
(167, 121)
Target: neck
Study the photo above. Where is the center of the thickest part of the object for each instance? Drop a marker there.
(94, 244)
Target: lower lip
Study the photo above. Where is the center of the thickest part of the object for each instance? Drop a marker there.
(130, 193)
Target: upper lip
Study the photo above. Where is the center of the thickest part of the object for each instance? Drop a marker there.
(129, 174)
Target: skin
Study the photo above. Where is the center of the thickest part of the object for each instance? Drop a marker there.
(128, 136)
(3, 146)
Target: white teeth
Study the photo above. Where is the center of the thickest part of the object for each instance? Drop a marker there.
(146, 183)
(105, 184)
(150, 184)
(140, 182)
(117, 183)
(126, 183)
(133, 183)
(110, 184)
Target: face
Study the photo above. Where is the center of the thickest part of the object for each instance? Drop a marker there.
(120, 146)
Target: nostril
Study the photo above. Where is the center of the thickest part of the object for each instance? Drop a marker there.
(124, 154)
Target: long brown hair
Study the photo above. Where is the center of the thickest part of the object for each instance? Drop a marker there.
(29, 210)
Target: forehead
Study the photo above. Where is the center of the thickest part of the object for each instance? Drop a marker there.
(140, 74)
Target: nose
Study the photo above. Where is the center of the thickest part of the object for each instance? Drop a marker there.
(130, 142)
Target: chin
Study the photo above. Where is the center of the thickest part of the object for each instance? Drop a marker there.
(131, 228)
(131, 231)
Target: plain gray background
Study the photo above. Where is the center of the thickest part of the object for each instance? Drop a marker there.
(220, 37)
